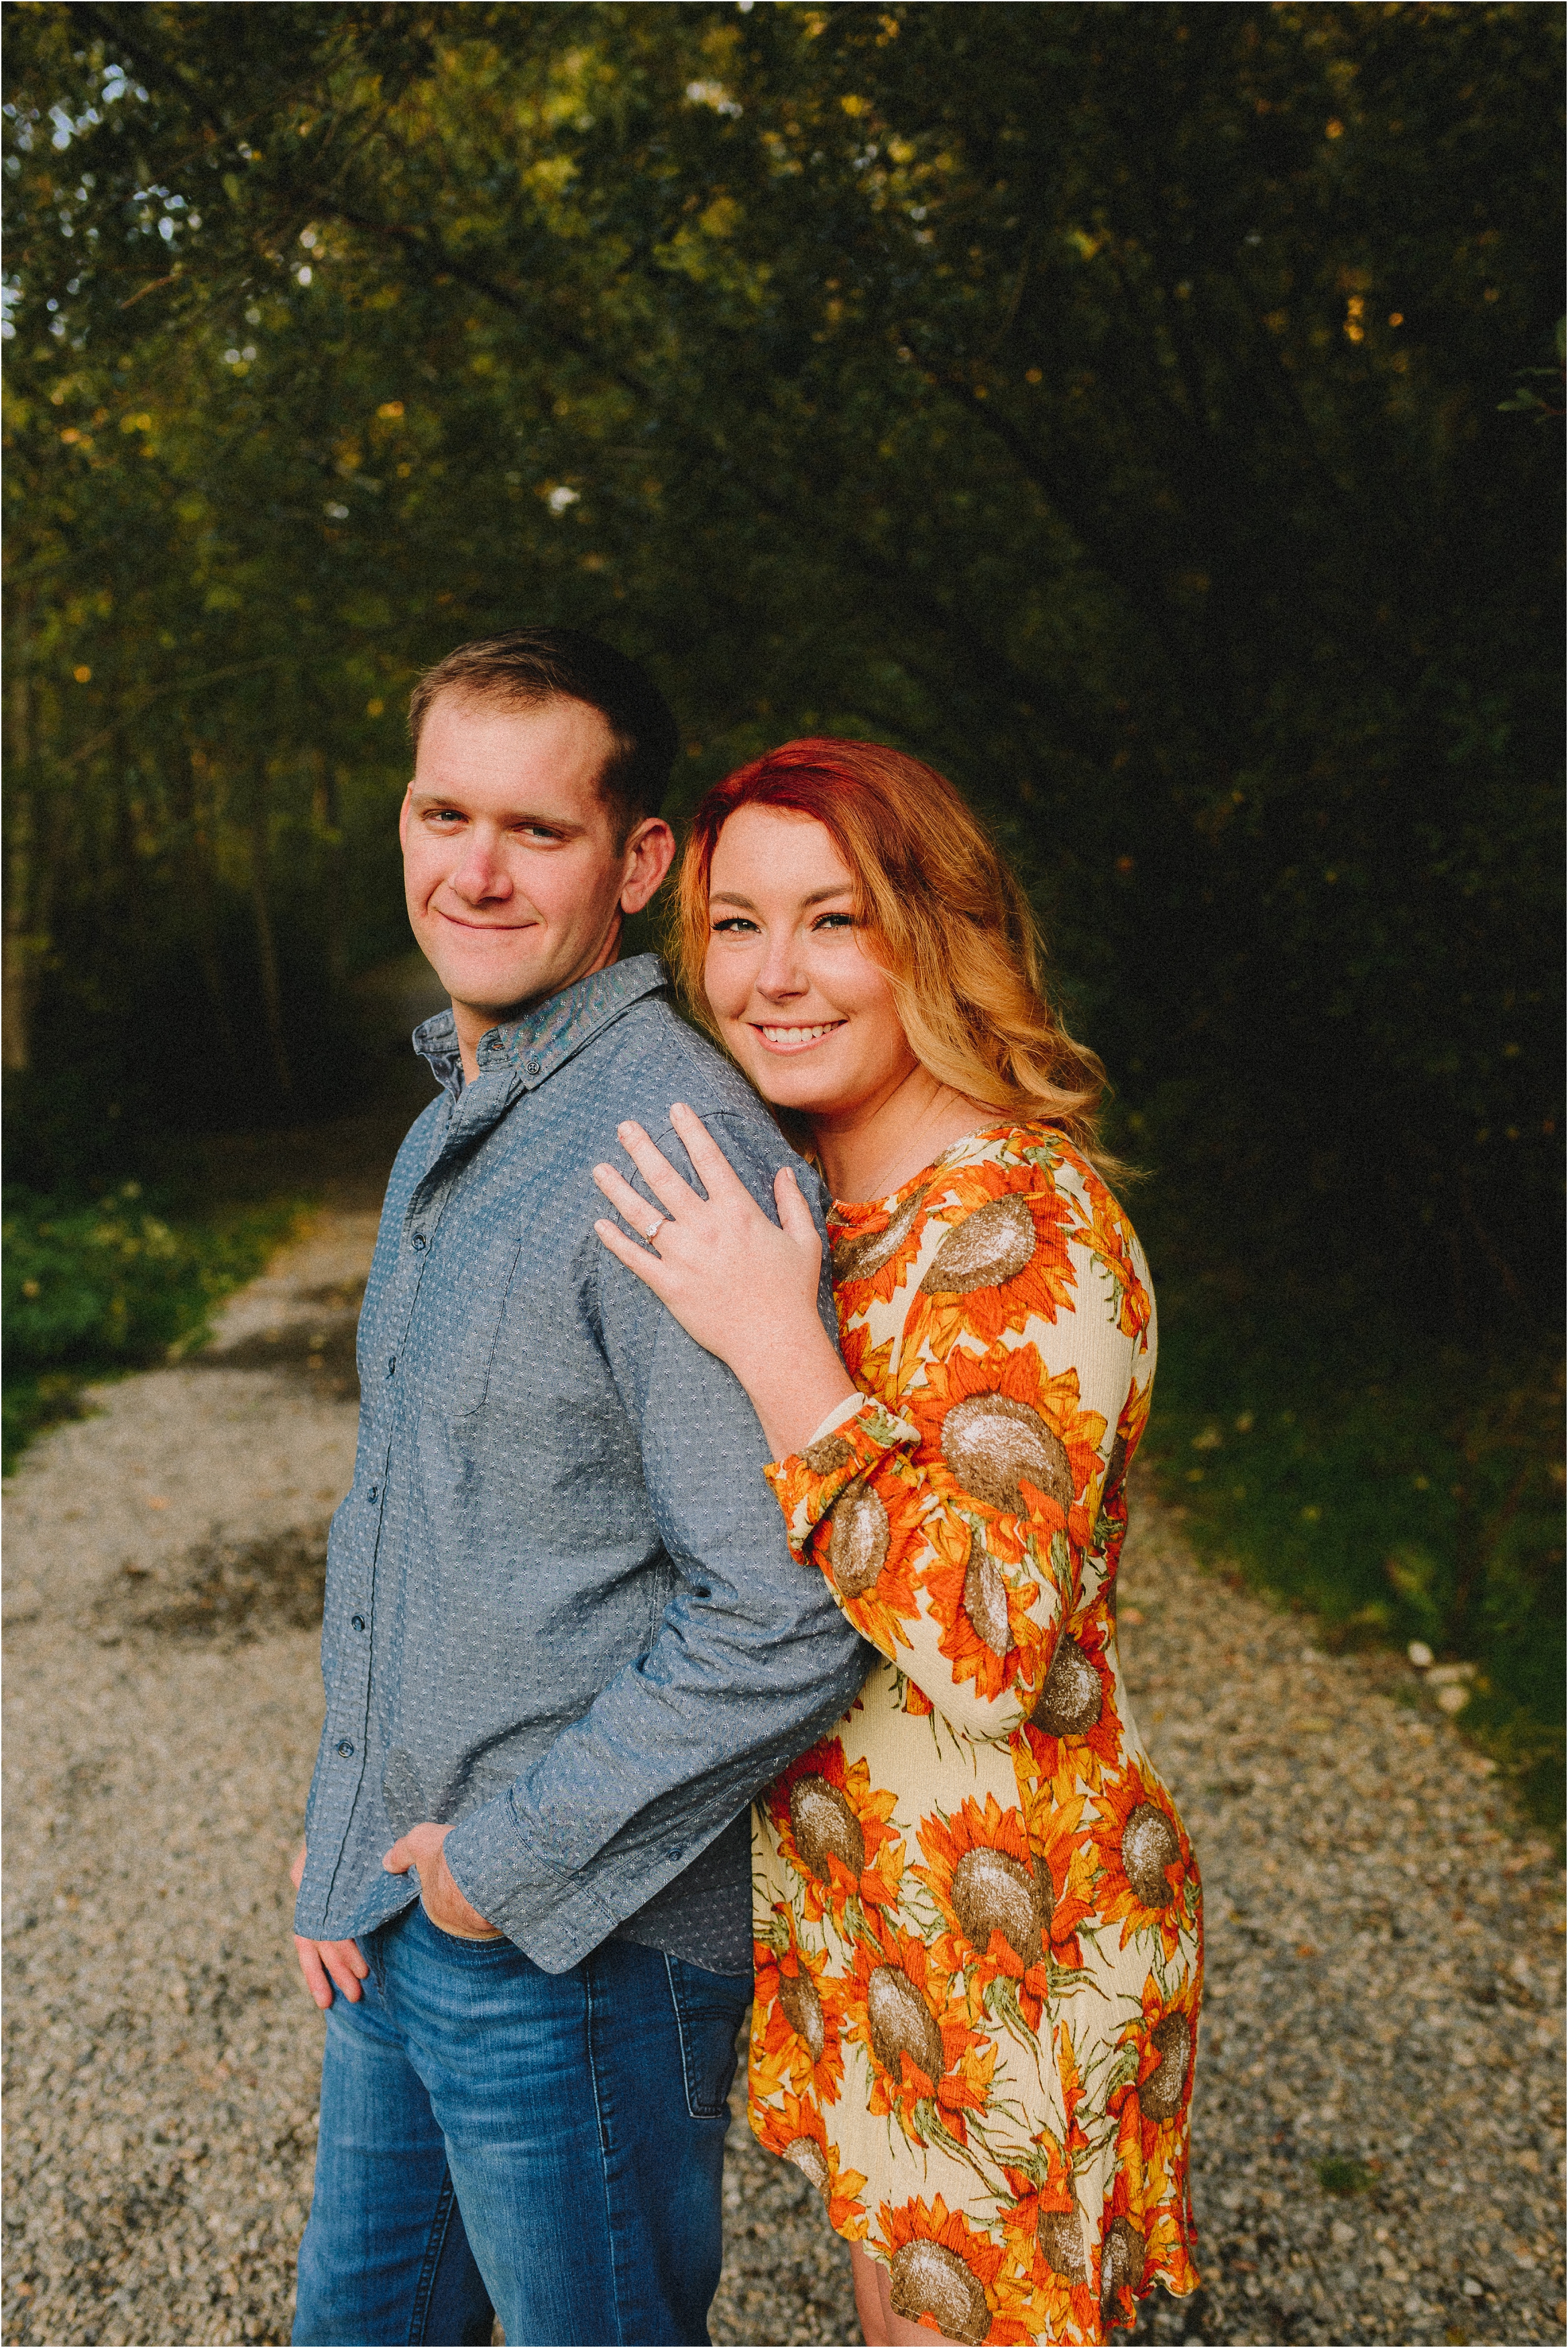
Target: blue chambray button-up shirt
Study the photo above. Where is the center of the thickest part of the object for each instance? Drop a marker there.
(560, 1611)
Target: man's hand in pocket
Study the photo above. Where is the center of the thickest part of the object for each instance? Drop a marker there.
(421, 1849)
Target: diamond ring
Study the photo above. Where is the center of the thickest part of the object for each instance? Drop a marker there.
(655, 1227)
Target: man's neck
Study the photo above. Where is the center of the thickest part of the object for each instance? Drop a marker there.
(475, 1020)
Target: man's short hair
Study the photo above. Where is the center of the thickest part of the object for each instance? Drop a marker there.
(532, 664)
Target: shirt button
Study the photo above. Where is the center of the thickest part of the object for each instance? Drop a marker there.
(418, 1241)
(534, 1067)
(358, 1621)
(345, 1746)
(391, 1363)
(371, 1497)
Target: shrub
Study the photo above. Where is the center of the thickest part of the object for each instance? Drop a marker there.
(90, 1288)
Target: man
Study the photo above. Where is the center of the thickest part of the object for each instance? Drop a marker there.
(564, 1640)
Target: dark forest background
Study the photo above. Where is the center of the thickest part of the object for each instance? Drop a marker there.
(1149, 415)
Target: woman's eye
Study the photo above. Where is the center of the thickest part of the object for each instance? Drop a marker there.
(835, 921)
(732, 926)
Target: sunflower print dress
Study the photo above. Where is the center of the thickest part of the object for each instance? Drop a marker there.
(977, 1921)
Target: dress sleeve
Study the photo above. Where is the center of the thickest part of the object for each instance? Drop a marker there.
(954, 1535)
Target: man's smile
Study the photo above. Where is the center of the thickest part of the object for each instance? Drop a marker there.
(467, 922)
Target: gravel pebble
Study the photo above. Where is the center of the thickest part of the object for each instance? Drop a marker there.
(163, 1702)
(1385, 1949)
(1384, 1993)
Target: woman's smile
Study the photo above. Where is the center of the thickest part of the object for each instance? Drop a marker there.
(780, 1039)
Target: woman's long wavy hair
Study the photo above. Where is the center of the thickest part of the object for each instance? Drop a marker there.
(942, 914)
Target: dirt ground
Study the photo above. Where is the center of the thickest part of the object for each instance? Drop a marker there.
(1385, 1943)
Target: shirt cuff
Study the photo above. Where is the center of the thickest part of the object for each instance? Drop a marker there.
(550, 1914)
(806, 1485)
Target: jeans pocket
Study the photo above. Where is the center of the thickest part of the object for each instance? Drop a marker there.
(709, 2011)
(474, 1941)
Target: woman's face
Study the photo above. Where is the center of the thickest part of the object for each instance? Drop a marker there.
(800, 1003)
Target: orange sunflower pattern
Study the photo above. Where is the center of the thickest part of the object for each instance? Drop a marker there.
(979, 1932)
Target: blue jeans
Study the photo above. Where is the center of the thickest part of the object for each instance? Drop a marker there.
(547, 2144)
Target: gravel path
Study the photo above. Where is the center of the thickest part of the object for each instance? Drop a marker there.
(1385, 1947)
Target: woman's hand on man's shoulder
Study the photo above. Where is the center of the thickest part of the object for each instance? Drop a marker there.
(744, 1287)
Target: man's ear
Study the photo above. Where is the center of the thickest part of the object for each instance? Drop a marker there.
(402, 815)
(650, 853)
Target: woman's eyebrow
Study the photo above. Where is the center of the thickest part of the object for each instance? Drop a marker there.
(817, 896)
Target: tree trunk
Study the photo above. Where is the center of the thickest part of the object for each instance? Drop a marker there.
(200, 892)
(18, 976)
(25, 886)
(128, 859)
(266, 947)
(329, 831)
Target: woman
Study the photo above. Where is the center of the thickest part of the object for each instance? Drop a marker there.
(977, 1930)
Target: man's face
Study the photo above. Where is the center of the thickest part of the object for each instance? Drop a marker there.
(514, 881)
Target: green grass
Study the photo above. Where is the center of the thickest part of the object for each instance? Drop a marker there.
(1396, 1491)
(1344, 2175)
(97, 1288)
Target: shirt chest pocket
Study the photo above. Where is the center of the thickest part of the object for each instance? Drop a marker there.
(475, 1312)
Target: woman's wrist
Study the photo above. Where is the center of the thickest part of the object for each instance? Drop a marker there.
(793, 1383)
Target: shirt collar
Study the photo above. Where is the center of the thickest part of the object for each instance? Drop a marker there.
(535, 1046)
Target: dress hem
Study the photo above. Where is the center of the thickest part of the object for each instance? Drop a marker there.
(1158, 2280)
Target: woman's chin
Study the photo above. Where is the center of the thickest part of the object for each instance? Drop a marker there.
(788, 1081)
(801, 1099)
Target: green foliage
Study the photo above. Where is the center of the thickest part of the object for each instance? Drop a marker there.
(1111, 404)
(92, 1289)
(98, 1279)
(1343, 2175)
(1104, 402)
(1397, 1496)
(1527, 401)
(29, 1405)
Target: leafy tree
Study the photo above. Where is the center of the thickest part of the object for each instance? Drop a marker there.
(1105, 402)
